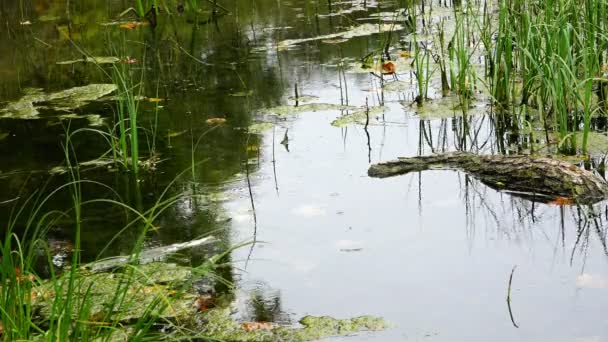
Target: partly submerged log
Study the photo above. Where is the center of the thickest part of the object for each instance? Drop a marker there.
(147, 255)
(538, 178)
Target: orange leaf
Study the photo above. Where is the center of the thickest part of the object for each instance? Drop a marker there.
(204, 303)
(562, 201)
(128, 61)
(253, 326)
(134, 24)
(215, 121)
(389, 68)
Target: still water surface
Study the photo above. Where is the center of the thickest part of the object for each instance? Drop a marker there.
(431, 252)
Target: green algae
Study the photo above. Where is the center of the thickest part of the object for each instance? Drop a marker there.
(219, 325)
(356, 31)
(260, 127)
(152, 287)
(33, 100)
(309, 107)
(163, 290)
(359, 117)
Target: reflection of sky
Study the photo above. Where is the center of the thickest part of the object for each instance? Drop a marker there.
(431, 252)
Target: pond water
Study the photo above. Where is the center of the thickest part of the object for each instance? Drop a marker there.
(432, 252)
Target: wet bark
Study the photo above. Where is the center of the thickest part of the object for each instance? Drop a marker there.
(538, 178)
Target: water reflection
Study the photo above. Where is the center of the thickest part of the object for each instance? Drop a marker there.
(430, 251)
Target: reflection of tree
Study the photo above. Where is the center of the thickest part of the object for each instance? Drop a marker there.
(572, 228)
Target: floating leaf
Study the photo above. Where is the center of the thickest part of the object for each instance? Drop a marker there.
(134, 24)
(27, 22)
(204, 303)
(405, 54)
(389, 68)
(129, 60)
(590, 281)
(562, 201)
(176, 134)
(242, 93)
(254, 326)
(215, 121)
(155, 99)
(309, 107)
(334, 41)
(260, 127)
(356, 31)
(359, 116)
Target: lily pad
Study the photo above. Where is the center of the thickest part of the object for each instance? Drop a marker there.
(65, 100)
(359, 116)
(356, 31)
(260, 127)
(309, 107)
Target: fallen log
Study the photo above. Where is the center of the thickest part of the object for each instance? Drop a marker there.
(542, 179)
(146, 256)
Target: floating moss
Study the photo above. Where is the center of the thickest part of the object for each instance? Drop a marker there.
(309, 107)
(359, 117)
(219, 325)
(356, 31)
(260, 127)
(65, 100)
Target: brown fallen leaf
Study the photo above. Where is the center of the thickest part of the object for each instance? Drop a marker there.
(215, 121)
(204, 303)
(132, 25)
(253, 326)
(561, 201)
(389, 68)
(128, 60)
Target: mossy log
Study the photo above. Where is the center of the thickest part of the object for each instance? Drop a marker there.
(542, 179)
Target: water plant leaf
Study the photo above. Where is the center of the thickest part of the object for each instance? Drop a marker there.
(561, 201)
(389, 68)
(155, 99)
(204, 303)
(309, 107)
(356, 31)
(253, 326)
(359, 117)
(3, 136)
(334, 41)
(176, 134)
(129, 60)
(243, 93)
(215, 121)
(95, 60)
(134, 24)
(260, 127)
(591, 281)
(65, 100)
